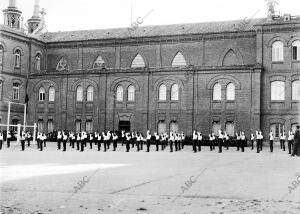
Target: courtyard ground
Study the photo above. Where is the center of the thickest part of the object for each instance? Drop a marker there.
(139, 182)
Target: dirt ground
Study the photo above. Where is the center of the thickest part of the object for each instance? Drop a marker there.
(53, 181)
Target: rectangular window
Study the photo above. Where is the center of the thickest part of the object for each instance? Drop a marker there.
(216, 126)
(89, 126)
(295, 57)
(230, 128)
(162, 127)
(277, 90)
(16, 91)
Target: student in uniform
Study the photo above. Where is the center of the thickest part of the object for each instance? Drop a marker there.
(156, 140)
(243, 141)
(171, 141)
(176, 141)
(271, 138)
(99, 139)
(22, 138)
(44, 138)
(1, 139)
(211, 139)
(195, 139)
(148, 138)
(65, 139)
(182, 140)
(59, 138)
(257, 142)
(133, 139)
(282, 141)
(252, 140)
(128, 139)
(199, 138)
(91, 140)
(261, 140)
(290, 141)
(226, 140)
(123, 138)
(238, 139)
(28, 137)
(115, 141)
(82, 142)
(220, 141)
(8, 138)
(78, 139)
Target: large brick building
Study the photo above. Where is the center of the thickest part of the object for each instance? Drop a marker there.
(234, 75)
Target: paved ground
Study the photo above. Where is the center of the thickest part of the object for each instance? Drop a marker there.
(155, 182)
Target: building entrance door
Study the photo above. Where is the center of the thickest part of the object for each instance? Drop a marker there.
(124, 125)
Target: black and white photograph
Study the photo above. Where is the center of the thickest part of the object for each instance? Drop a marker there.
(150, 106)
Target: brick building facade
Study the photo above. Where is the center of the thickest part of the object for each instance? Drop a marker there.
(233, 75)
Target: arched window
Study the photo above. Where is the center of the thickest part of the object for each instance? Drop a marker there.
(50, 125)
(16, 91)
(38, 62)
(51, 94)
(62, 65)
(296, 90)
(1, 55)
(42, 94)
(174, 126)
(161, 127)
(179, 60)
(277, 51)
(131, 93)
(277, 90)
(229, 126)
(40, 125)
(1, 89)
(175, 92)
(99, 63)
(90, 93)
(138, 62)
(216, 126)
(89, 126)
(78, 125)
(162, 92)
(217, 92)
(79, 94)
(230, 91)
(17, 58)
(119, 93)
(277, 129)
(296, 50)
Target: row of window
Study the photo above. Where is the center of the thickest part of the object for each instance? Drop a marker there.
(278, 48)
(230, 92)
(278, 90)
(138, 61)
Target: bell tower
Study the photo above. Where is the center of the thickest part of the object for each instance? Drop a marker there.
(12, 16)
(35, 20)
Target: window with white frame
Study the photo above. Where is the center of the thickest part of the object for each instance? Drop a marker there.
(217, 92)
(296, 50)
(42, 94)
(131, 93)
(90, 93)
(119, 93)
(277, 90)
(16, 91)
(174, 126)
(40, 125)
(38, 62)
(18, 58)
(162, 92)
(277, 51)
(277, 129)
(179, 60)
(230, 92)
(79, 93)
(175, 92)
(138, 62)
(296, 90)
(51, 94)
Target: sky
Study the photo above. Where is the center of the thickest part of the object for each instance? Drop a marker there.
(68, 15)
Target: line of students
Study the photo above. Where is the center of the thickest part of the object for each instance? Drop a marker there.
(174, 140)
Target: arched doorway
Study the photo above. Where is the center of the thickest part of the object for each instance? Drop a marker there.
(124, 125)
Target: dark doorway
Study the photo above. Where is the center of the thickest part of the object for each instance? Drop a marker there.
(124, 125)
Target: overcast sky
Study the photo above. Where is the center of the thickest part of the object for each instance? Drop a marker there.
(66, 15)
